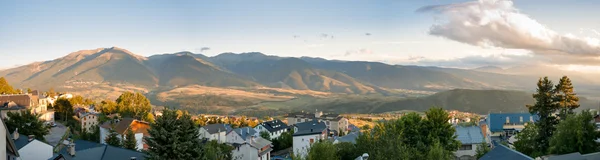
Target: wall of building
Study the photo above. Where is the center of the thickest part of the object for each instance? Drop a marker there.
(3, 142)
(88, 121)
(35, 150)
(245, 152)
(221, 136)
(471, 152)
(103, 134)
(139, 138)
(233, 137)
(301, 144)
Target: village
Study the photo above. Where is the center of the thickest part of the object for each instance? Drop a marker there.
(248, 137)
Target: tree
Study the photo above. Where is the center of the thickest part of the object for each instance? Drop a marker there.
(437, 151)
(482, 149)
(284, 141)
(135, 105)
(64, 108)
(18, 91)
(29, 90)
(347, 150)
(51, 92)
(526, 138)
(130, 142)
(93, 136)
(108, 107)
(113, 139)
(324, 150)
(266, 135)
(26, 123)
(438, 127)
(214, 150)
(5, 88)
(577, 133)
(544, 107)
(565, 97)
(365, 127)
(173, 138)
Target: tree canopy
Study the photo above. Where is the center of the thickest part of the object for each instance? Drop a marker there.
(130, 142)
(577, 133)
(135, 105)
(27, 123)
(113, 139)
(5, 87)
(173, 138)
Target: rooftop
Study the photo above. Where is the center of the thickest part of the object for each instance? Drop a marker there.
(501, 152)
(308, 128)
(215, 128)
(496, 121)
(469, 135)
(135, 125)
(274, 125)
(245, 132)
(86, 150)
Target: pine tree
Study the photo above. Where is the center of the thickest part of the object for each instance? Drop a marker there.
(544, 107)
(173, 138)
(130, 142)
(566, 97)
(113, 139)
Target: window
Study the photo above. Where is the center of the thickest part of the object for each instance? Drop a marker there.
(312, 141)
(507, 120)
(521, 119)
(531, 118)
(466, 147)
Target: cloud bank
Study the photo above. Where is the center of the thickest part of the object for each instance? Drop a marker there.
(498, 24)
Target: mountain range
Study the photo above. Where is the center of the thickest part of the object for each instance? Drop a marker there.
(112, 70)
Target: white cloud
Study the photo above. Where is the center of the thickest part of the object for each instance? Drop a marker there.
(497, 23)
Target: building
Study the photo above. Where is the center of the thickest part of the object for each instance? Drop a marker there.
(10, 151)
(216, 132)
(86, 150)
(470, 138)
(87, 121)
(275, 128)
(505, 125)
(248, 144)
(139, 128)
(31, 148)
(334, 122)
(350, 138)
(501, 152)
(21, 102)
(307, 133)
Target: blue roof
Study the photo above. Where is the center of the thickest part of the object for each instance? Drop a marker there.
(350, 137)
(496, 121)
(94, 151)
(245, 132)
(469, 135)
(501, 152)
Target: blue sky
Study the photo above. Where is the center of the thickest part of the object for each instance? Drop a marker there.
(44, 30)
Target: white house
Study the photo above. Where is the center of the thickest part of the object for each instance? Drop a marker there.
(31, 148)
(470, 138)
(275, 128)
(87, 121)
(139, 128)
(216, 132)
(248, 145)
(307, 133)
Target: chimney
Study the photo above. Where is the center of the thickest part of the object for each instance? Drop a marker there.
(30, 138)
(16, 134)
(71, 148)
(133, 158)
(248, 130)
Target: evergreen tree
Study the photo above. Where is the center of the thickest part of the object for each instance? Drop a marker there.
(27, 123)
(173, 138)
(577, 133)
(347, 150)
(565, 96)
(64, 109)
(438, 127)
(482, 149)
(113, 139)
(214, 150)
(130, 142)
(544, 107)
(266, 135)
(324, 150)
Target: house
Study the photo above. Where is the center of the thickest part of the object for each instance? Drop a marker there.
(470, 137)
(501, 152)
(239, 135)
(248, 144)
(20, 102)
(30, 148)
(139, 128)
(334, 122)
(9, 149)
(504, 125)
(215, 132)
(86, 150)
(307, 133)
(87, 120)
(275, 128)
(350, 138)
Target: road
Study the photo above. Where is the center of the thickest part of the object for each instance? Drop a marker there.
(56, 134)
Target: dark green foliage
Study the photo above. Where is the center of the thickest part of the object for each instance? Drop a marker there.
(134, 105)
(113, 139)
(27, 123)
(130, 141)
(324, 150)
(411, 137)
(5, 88)
(214, 150)
(577, 133)
(93, 136)
(482, 149)
(566, 98)
(347, 150)
(266, 135)
(173, 138)
(544, 107)
(64, 109)
(284, 141)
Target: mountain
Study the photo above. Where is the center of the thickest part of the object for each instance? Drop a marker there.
(492, 69)
(87, 66)
(476, 101)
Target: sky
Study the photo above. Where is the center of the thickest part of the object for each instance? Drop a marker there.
(447, 33)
